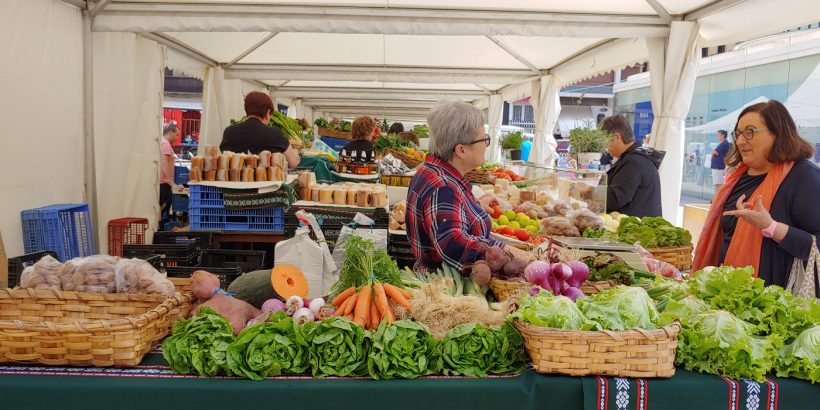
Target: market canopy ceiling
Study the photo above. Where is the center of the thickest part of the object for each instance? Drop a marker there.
(400, 56)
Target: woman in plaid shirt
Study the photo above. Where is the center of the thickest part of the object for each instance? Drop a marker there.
(445, 222)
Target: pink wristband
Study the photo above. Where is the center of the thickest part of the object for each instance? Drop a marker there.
(769, 231)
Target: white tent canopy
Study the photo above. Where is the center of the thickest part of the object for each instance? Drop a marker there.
(391, 58)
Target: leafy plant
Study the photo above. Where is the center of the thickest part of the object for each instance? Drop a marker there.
(621, 308)
(589, 139)
(513, 140)
(338, 347)
(199, 345)
(269, 349)
(801, 359)
(475, 350)
(421, 131)
(392, 141)
(403, 349)
(362, 260)
(546, 310)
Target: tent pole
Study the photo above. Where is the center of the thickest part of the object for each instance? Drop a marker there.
(90, 167)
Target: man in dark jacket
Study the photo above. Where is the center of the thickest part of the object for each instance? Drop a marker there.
(634, 185)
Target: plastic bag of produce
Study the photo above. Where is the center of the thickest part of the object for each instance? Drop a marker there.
(138, 276)
(314, 260)
(45, 274)
(90, 274)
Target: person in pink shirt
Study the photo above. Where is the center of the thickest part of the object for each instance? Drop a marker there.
(166, 166)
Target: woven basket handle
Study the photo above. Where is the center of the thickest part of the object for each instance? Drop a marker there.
(613, 335)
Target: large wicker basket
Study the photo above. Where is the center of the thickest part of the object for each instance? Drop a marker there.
(630, 353)
(409, 136)
(329, 132)
(84, 329)
(680, 257)
(408, 160)
(479, 176)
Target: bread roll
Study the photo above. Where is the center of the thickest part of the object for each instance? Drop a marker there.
(211, 164)
(251, 161)
(269, 171)
(222, 174)
(234, 175)
(248, 175)
(264, 158)
(209, 175)
(261, 174)
(236, 161)
(195, 174)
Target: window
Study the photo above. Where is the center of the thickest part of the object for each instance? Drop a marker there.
(721, 49)
(704, 52)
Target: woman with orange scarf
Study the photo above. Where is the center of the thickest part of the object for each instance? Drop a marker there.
(769, 208)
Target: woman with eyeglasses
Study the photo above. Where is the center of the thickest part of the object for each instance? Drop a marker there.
(445, 222)
(767, 211)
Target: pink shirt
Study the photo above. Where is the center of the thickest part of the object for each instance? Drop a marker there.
(166, 162)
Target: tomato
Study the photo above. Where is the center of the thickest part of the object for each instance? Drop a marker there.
(522, 235)
(496, 211)
(506, 231)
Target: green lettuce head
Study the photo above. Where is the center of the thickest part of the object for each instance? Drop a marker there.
(403, 349)
(621, 308)
(473, 349)
(338, 347)
(269, 349)
(199, 345)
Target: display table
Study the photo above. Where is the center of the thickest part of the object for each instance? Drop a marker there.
(153, 386)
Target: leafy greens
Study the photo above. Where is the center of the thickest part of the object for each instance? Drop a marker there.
(475, 350)
(403, 349)
(199, 345)
(272, 348)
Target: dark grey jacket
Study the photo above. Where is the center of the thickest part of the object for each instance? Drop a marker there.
(634, 186)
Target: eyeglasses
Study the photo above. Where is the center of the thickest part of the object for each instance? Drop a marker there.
(486, 142)
(748, 133)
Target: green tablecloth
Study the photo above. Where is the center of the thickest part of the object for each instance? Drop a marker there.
(320, 166)
(153, 386)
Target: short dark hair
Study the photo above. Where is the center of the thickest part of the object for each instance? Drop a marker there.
(396, 128)
(362, 128)
(788, 145)
(617, 123)
(169, 129)
(258, 104)
(723, 132)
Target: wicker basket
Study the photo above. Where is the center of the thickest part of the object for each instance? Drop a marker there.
(329, 132)
(408, 160)
(507, 289)
(409, 136)
(84, 329)
(680, 257)
(182, 285)
(630, 353)
(598, 286)
(479, 176)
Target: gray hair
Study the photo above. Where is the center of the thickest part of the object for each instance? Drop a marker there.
(452, 123)
(169, 129)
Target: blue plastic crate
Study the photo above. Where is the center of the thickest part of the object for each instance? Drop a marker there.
(179, 203)
(64, 228)
(206, 212)
(335, 143)
(181, 175)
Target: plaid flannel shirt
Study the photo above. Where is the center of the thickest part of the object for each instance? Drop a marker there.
(445, 223)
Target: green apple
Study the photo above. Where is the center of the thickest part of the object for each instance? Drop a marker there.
(495, 225)
(524, 220)
(532, 229)
(509, 214)
(515, 225)
(503, 220)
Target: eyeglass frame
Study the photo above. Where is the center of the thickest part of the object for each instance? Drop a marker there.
(486, 142)
(736, 133)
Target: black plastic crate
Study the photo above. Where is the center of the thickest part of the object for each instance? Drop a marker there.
(166, 255)
(398, 246)
(20, 263)
(245, 260)
(226, 274)
(201, 240)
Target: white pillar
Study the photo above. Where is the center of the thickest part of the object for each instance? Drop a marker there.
(494, 112)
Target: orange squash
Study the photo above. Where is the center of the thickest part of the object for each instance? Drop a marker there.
(287, 280)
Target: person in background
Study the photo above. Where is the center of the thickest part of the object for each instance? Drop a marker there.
(526, 146)
(765, 215)
(254, 135)
(396, 128)
(362, 131)
(718, 164)
(170, 133)
(633, 183)
(445, 222)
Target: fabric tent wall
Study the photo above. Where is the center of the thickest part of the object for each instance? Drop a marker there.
(546, 105)
(128, 82)
(496, 107)
(41, 117)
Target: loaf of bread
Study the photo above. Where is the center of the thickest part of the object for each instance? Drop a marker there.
(251, 161)
(248, 175)
(211, 151)
(261, 174)
(209, 175)
(195, 174)
(237, 161)
(264, 158)
(234, 175)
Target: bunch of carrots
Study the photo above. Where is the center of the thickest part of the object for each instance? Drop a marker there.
(369, 306)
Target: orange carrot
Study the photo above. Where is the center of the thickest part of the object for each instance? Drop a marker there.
(388, 314)
(381, 298)
(349, 317)
(338, 300)
(374, 315)
(394, 294)
(341, 309)
(352, 304)
(361, 313)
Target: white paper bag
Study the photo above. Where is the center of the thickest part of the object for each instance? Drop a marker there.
(314, 260)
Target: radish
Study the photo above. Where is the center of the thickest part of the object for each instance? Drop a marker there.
(316, 305)
(293, 304)
(273, 305)
(580, 273)
(302, 316)
(481, 273)
(538, 273)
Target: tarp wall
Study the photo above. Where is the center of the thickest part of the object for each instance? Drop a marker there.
(41, 110)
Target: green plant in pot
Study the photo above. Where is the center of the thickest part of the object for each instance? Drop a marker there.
(588, 143)
(511, 144)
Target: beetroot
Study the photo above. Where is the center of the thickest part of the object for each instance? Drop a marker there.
(496, 258)
(481, 273)
(515, 268)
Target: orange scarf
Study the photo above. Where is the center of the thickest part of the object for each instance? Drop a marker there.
(744, 248)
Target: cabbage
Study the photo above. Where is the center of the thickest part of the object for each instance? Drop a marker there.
(269, 349)
(546, 310)
(685, 309)
(403, 349)
(801, 359)
(198, 345)
(718, 342)
(338, 347)
(621, 308)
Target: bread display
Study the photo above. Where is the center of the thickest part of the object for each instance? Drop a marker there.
(232, 167)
